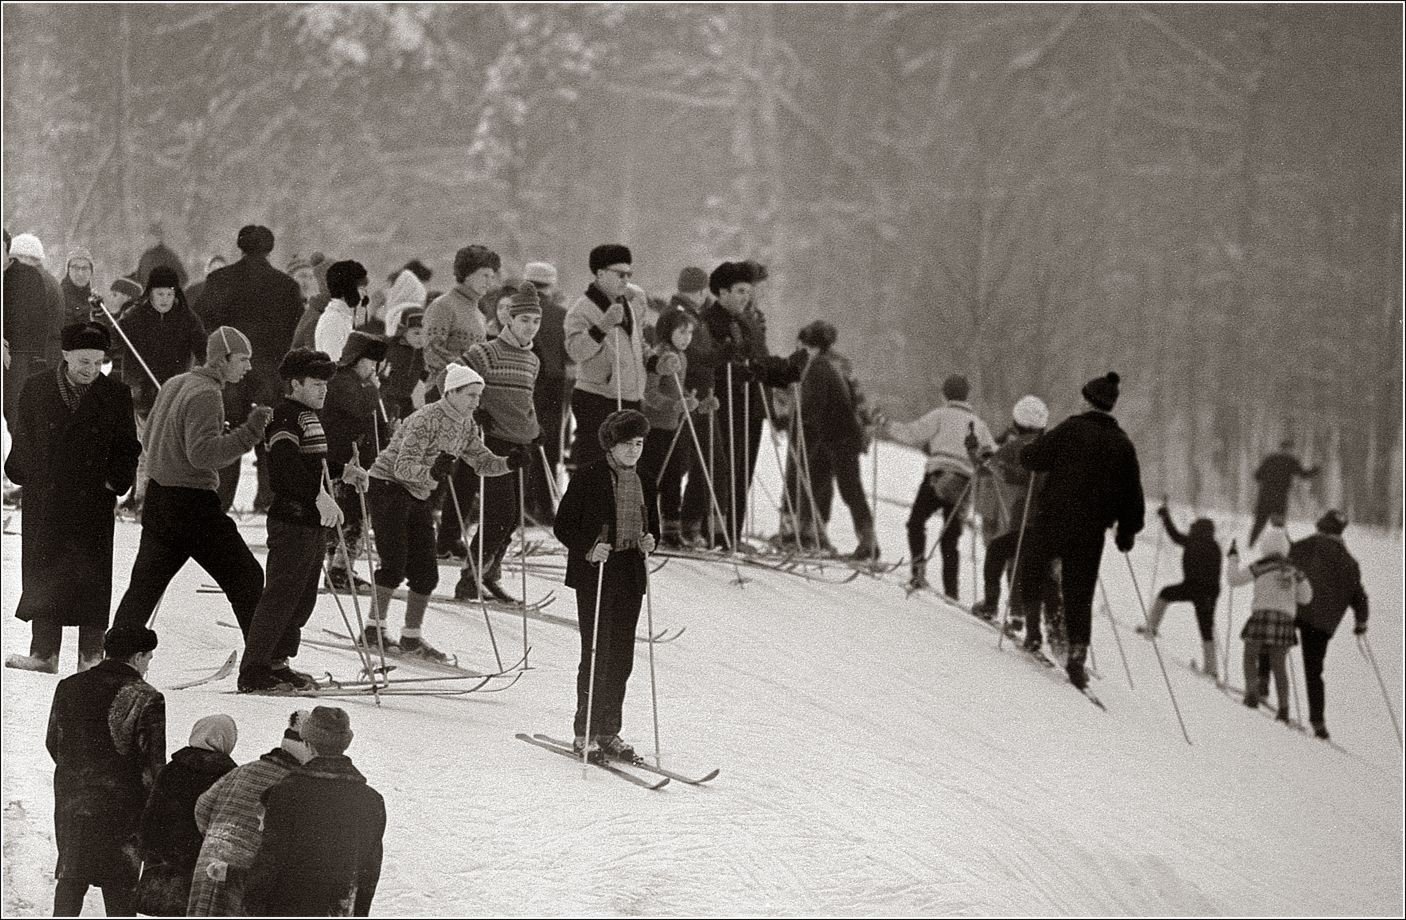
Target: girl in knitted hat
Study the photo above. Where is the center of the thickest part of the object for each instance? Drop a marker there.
(1280, 589)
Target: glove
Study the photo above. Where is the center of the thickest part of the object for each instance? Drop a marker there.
(647, 545)
(443, 466)
(518, 456)
(668, 364)
(1124, 541)
(327, 508)
(483, 419)
(971, 442)
(709, 404)
(1162, 512)
(612, 317)
(1360, 629)
(599, 553)
(258, 420)
(356, 477)
(690, 403)
(797, 362)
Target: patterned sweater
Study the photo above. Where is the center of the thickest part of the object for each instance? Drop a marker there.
(230, 813)
(422, 437)
(509, 374)
(1279, 585)
(297, 447)
(453, 325)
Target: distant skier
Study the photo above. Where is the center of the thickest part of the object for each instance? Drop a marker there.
(1337, 585)
(1200, 583)
(1094, 483)
(1275, 476)
(1280, 589)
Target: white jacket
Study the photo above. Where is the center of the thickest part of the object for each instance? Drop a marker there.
(943, 434)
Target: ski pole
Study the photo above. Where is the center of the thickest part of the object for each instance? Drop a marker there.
(653, 685)
(478, 569)
(371, 576)
(948, 521)
(1157, 547)
(668, 455)
(746, 458)
(789, 506)
(731, 463)
(595, 642)
(1015, 566)
(367, 665)
(976, 574)
(619, 403)
(1108, 609)
(1138, 589)
(804, 464)
(707, 473)
(550, 475)
(712, 477)
(1294, 687)
(1365, 648)
(356, 602)
(1229, 614)
(130, 347)
(522, 540)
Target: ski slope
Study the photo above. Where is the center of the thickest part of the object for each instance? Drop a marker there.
(879, 756)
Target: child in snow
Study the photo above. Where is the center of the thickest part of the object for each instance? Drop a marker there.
(1200, 584)
(665, 405)
(1280, 589)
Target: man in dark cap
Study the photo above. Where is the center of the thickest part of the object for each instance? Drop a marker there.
(356, 427)
(75, 450)
(1093, 483)
(107, 736)
(264, 304)
(1276, 476)
(1336, 580)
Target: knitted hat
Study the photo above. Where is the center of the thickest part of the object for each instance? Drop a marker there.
(302, 363)
(362, 345)
(27, 244)
(539, 273)
(622, 426)
(126, 641)
(955, 387)
(255, 240)
(1333, 522)
(728, 274)
(85, 335)
(344, 281)
(1275, 542)
(669, 322)
(328, 730)
(472, 258)
(692, 279)
(297, 264)
(1031, 412)
(818, 334)
(215, 733)
(1102, 392)
(225, 342)
(163, 276)
(525, 301)
(457, 375)
(78, 254)
(126, 286)
(608, 254)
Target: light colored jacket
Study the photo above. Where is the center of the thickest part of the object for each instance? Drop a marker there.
(595, 350)
(453, 325)
(943, 434)
(1279, 585)
(334, 327)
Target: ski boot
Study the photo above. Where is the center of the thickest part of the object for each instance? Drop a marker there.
(494, 590)
(590, 748)
(614, 747)
(1320, 730)
(48, 665)
(1074, 667)
(1154, 619)
(345, 581)
(1033, 644)
(298, 679)
(466, 588)
(985, 609)
(261, 679)
(1282, 715)
(868, 548)
(376, 638)
(918, 579)
(416, 647)
(1210, 667)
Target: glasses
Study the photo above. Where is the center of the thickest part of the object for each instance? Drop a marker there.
(625, 276)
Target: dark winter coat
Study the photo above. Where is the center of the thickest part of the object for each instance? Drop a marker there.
(1275, 476)
(1201, 556)
(264, 304)
(352, 416)
(107, 736)
(321, 850)
(830, 404)
(740, 342)
(1335, 578)
(550, 344)
(1094, 479)
(73, 466)
(76, 305)
(168, 839)
(1011, 481)
(160, 254)
(407, 368)
(32, 317)
(171, 343)
(588, 509)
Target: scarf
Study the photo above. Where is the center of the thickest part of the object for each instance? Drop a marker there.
(629, 504)
(71, 393)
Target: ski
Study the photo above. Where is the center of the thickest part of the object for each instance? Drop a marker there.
(220, 673)
(640, 763)
(344, 642)
(362, 692)
(601, 764)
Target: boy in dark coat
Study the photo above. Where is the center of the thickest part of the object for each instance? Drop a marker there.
(355, 424)
(609, 523)
(323, 824)
(107, 736)
(169, 842)
(75, 450)
(1200, 584)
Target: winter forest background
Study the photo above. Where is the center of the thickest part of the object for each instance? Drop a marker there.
(1206, 199)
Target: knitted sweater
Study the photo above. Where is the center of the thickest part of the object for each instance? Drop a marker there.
(1279, 585)
(186, 444)
(297, 448)
(943, 433)
(663, 403)
(509, 374)
(453, 324)
(422, 437)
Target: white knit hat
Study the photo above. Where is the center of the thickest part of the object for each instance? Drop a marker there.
(27, 244)
(457, 375)
(541, 272)
(1031, 412)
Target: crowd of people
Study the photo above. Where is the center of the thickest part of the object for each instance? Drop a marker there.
(409, 418)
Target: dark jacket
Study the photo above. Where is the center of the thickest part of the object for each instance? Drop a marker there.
(1275, 476)
(587, 511)
(830, 404)
(170, 343)
(107, 736)
(160, 254)
(296, 447)
(31, 316)
(1201, 556)
(351, 416)
(77, 308)
(1335, 578)
(550, 344)
(73, 465)
(168, 839)
(1011, 482)
(407, 368)
(321, 850)
(739, 341)
(264, 304)
(1094, 480)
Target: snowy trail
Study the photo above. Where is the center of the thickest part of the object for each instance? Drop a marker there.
(879, 757)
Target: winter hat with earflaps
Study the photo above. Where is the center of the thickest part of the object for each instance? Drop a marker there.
(1333, 523)
(215, 733)
(955, 388)
(608, 254)
(226, 342)
(126, 286)
(1031, 413)
(362, 345)
(692, 280)
(78, 254)
(85, 335)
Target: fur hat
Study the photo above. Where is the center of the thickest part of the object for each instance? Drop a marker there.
(1275, 543)
(756, 270)
(126, 641)
(362, 345)
(27, 244)
(215, 733)
(728, 274)
(344, 281)
(955, 387)
(126, 286)
(78, 254)
(525, 301)
(1031, 412)
(622, 426)
(163, 276)
(608, 254)
(255, 240)
(457, 375)
(1102, 392)
(328, 729)
(85, 335)
(302, 363)
(472, 258)
(1333, 523)
(539, 273)
(225, 342)
(669, 322)
(692, 279)
(818, 334)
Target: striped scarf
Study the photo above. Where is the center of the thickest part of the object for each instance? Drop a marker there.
(71, 393)
(629, 504)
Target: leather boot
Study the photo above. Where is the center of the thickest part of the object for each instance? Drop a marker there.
(1208, 654)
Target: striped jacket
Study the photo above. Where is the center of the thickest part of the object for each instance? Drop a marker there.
(297, 448)
(509, 374)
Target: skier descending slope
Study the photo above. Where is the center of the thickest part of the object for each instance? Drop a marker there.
(1094, 482)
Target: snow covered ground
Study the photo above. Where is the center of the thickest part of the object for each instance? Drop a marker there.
(879, 757)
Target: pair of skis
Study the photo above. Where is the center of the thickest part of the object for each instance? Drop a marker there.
(617, 767)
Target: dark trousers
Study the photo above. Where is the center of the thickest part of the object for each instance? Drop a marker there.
(615, 656)
(229, 481)
(669, 478)
(549, 399)
(1079, 553)
(590, 409)
(1202, 599)
(349, 500)
(118, 900)
(465, 488)
(180, 524)
(935, 495)
(1265, 512)
(1315, 649)
(697, 503)
(290, 593)
(832, 465)
(1000, 554)
(404, 528)
(500, 514)
(46, 639)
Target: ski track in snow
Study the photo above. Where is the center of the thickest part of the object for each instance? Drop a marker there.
(879, 756)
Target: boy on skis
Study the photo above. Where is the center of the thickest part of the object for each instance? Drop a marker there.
(1280, 589)
(1200, 584)
(354, 419)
